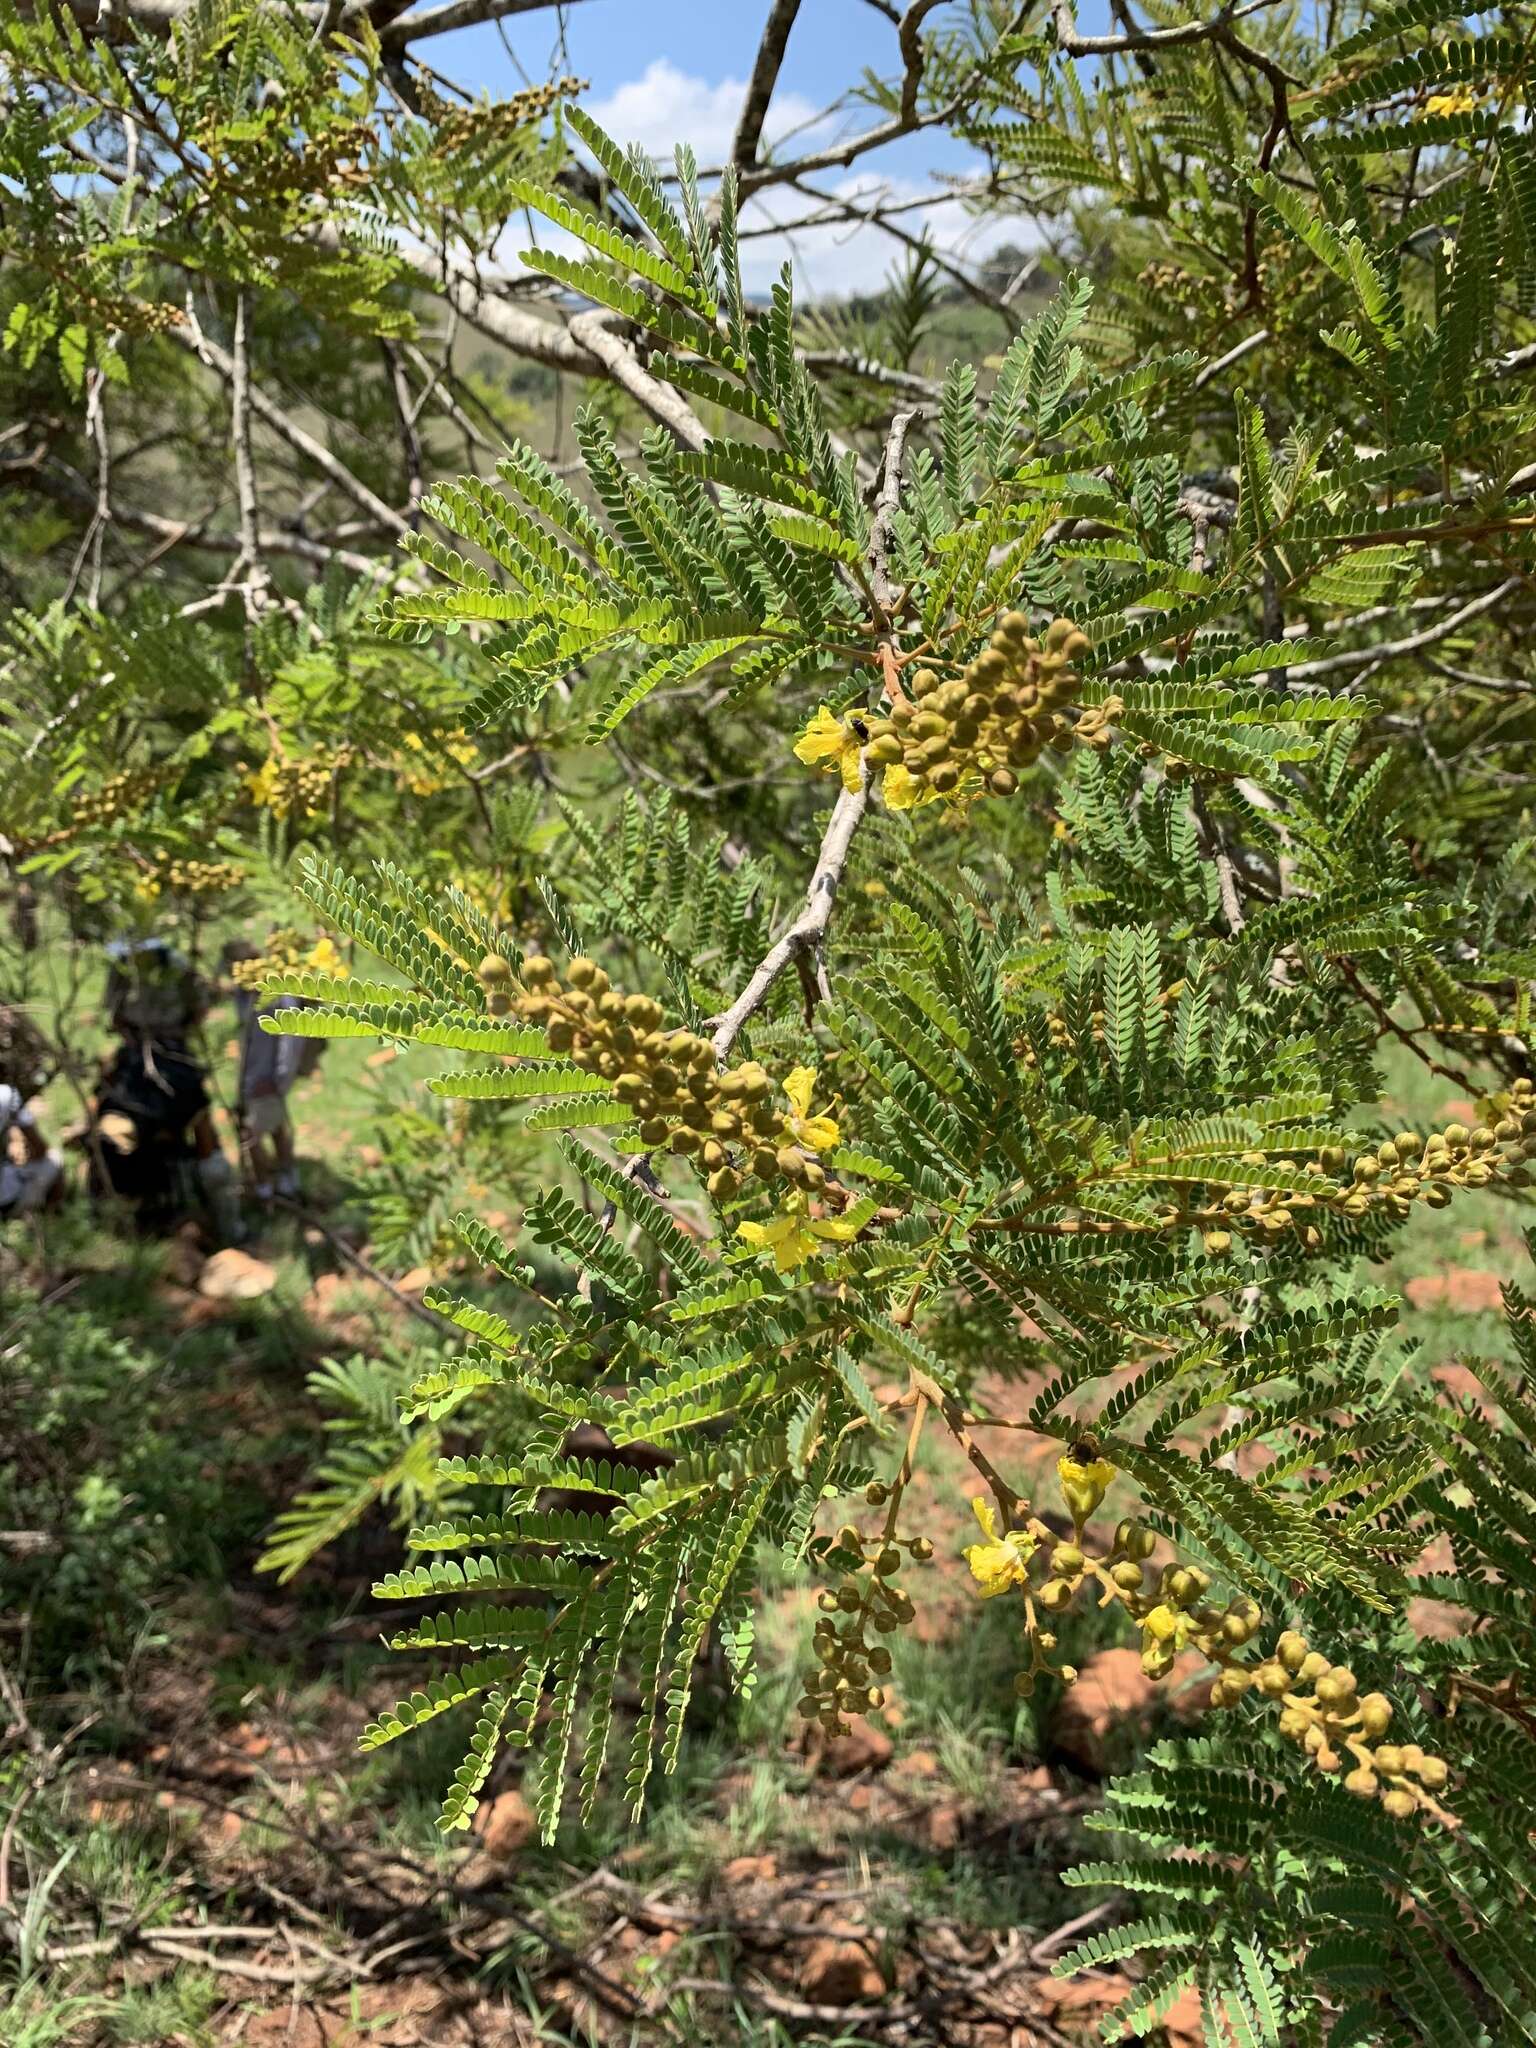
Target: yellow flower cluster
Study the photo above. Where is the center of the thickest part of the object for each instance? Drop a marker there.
(967, 737)
(286, 954)
(1013, 1543)
(289, 786)
(1462, 100)
(1003, 1560)
(668, 1079)
(1322, 1710)
(419, 776)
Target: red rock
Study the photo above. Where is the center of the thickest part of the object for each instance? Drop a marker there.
(1113, 1692)
(233, 1275)
(505, 1824)
(1111, 1689)
(1182, 2022)
(941, 1825)
(1438, 1555)
(917, 1763)
(749, 1870)
(1458, 1111)
(322, 1304)
(840, 1973)
(1460, 1287)
(863, 1748)
(859, 1799)
(1435, 1621)
(418, 1278)
(1083, 1998)
(1087, 1994)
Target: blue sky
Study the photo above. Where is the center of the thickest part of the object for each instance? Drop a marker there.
(665, 71)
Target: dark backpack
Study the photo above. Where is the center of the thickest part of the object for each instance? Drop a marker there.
(157, 1091)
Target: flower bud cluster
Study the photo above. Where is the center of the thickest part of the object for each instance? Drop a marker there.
(297, 787)
(845, 1679)
(1390, 1178)
(727, 1122)
(1399, 1172)
(428, 764)
(1169, 1607)
(458, 127)
(1177, 1616)
(286, 952)
(1322, 1709)
(1325, 1714)
(1406, 1169)
(192, 878)
(118, 794)
(971, 735)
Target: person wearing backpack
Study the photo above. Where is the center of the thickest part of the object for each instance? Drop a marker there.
(152, 1138)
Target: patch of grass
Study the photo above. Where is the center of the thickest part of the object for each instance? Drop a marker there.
(43, 2013)
(178, 2007)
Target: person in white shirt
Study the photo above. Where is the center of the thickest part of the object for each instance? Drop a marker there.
(36, 1180)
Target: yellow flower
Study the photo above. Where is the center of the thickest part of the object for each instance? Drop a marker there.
(1163, 1624)
(795, 1235)
(262, 787)
(1002, 1561)
(324, 957)
(1083, 1484)
(903, 793)
(833, 744)
(1462, 101)
(815, 1133)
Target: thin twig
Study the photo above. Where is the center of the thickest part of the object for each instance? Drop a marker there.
(1411, 643)
(808, 932)
(251, 561)
(410, 439)
(807, 935)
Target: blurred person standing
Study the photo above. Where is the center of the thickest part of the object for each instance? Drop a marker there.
(270, 1062)
(35, 1180)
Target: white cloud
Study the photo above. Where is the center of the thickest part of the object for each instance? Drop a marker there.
(848, 259)
(836, 260)
(667, 106)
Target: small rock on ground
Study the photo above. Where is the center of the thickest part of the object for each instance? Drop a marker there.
(840, 1973)
(233, 1275)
